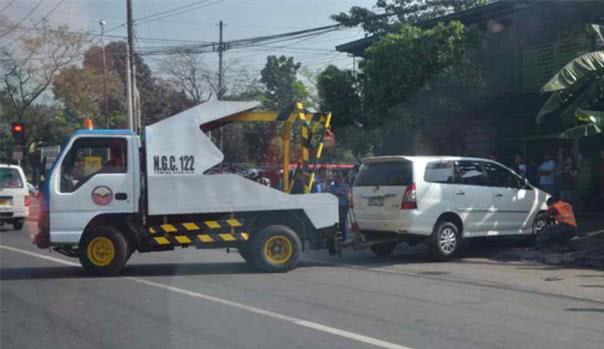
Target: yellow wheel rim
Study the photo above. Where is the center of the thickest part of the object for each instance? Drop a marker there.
(101, 251)
(278, 249)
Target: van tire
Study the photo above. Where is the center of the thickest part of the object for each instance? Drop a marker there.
(275, 249)
(540, 222)
(18, 224)
(446, 240)
(103, 250)
(384, 249)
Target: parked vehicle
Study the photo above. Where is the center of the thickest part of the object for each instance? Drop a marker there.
(443, 199)
(14, 196)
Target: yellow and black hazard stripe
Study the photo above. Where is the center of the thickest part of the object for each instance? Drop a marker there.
(199, 234)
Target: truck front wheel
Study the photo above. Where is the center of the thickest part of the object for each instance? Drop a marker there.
(277, 248)
(103, 250)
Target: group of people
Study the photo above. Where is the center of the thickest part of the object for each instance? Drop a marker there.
(338, 184)
(560, 182)
(553, 178)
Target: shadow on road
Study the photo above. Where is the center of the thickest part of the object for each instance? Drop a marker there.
(135, 270)
(589, 310)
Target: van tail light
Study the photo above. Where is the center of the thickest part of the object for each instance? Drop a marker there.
(409, 198)
(350, 196)
(27, 201)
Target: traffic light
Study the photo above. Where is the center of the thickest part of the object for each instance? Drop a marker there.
(18, 131)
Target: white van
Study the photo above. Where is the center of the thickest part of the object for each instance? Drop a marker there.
(444, 199)
(14, 196)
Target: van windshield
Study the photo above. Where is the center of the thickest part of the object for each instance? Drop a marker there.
(10, 178)
(392, 173)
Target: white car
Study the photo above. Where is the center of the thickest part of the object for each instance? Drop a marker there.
(444, 199)
(14, 196)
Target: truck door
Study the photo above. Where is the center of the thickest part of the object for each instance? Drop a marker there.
(95, 176)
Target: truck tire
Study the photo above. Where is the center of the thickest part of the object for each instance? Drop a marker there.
(18, 224)
(384, 249)
(446, 240)
(275, 249)
(103, 251)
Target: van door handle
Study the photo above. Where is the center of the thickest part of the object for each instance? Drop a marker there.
(121, 196)
(460, 193)
(498, 195)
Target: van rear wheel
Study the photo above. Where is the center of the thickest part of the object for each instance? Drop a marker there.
(103, 251)
(446, 240)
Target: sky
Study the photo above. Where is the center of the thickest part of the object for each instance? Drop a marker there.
(242, 19)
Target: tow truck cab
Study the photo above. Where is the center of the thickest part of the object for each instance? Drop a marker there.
(111, 193)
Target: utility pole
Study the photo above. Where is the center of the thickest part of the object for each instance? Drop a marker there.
(220, 67)
(106, 105)
(220, 76)
(131, 81)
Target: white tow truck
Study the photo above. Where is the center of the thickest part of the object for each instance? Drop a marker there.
(112, 192)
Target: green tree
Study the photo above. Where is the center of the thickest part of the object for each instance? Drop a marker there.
(387, 15)
(399, 65)
(283, 88)
(577, 91)
(81, 92)
(338, 94)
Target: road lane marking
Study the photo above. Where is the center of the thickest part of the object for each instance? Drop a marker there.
(271, 314)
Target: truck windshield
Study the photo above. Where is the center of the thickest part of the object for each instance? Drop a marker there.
(10, 178)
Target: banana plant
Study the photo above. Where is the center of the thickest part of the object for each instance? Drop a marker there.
(577, 92)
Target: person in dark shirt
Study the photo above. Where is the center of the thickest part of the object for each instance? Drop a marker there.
(341, 189)
(298, 186)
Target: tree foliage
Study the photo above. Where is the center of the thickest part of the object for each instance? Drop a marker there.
(577, 90)
(387, 15)
(28, 68)
(399, 65)
(339, 95)
(283, 88)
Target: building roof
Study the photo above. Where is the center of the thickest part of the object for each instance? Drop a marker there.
(481, 14)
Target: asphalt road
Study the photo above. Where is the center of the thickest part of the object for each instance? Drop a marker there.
(210, 299)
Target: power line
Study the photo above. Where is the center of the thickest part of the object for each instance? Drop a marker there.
(31, 29)
(240, 43)
(45, 17)
(32, 10)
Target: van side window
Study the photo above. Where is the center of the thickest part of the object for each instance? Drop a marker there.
(470, 173)
(439, 172)
(501, 177)
(90, 156)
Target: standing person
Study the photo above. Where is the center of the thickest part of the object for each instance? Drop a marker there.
(568, 181)
(321, 184)
(520, 165)
(546, 174)
(566, 228)
(341, 189)
(298, 187)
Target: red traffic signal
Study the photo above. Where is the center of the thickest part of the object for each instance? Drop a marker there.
(18, 131)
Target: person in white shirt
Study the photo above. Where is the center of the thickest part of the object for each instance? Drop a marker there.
(546, 174)
(520, 165)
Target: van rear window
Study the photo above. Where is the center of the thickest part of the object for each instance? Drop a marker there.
(395, 173)
(10, 178)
